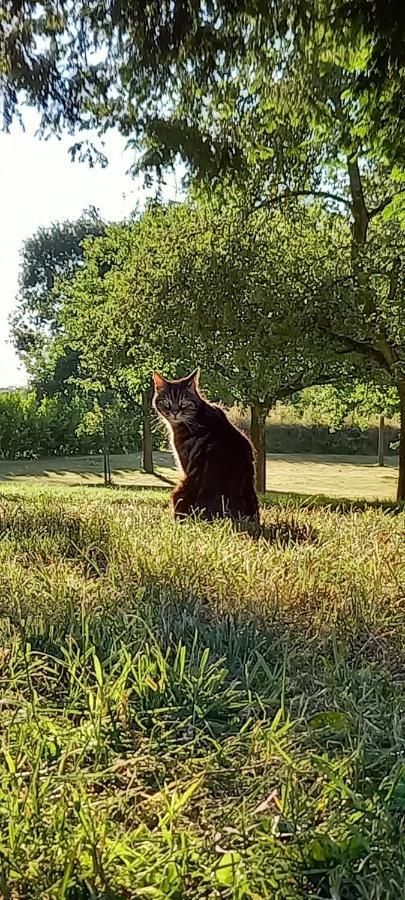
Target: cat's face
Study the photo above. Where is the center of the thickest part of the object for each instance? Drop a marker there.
(176, 401)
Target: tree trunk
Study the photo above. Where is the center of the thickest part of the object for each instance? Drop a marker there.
(258, 437)
(401, 476)
(106, 454)
(147, 451)
(381, 435)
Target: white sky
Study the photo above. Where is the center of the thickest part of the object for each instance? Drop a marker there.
(39, 185)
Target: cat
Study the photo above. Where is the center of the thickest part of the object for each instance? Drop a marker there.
(215, 457)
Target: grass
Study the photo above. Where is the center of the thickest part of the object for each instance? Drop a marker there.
(189, 713)
(333, 476)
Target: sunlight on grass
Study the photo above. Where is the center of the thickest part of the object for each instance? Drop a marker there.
(333, 476)
(187, 712)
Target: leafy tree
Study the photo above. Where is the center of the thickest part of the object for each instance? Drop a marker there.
(242, 289)
(32, 427)
(187, 285)
(367, 400)
(50, 252)
(110, 366)
(54, 366)
(288, 119)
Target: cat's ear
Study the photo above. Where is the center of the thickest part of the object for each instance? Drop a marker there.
(159, 382)
(193, 380)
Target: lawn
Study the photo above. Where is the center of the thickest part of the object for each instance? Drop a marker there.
(190, 713)
(334, 476)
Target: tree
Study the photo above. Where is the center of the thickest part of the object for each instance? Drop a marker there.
(288, 118)
(116, 349)
(240, 294)
(62, 425)
(191, 284)
(54, 365)
(368, 400)
(48, 254)
(358, 400)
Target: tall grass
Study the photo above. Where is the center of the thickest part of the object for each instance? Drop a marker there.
(187, 712)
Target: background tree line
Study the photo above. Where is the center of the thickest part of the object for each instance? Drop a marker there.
(315, 421)
(32, 427)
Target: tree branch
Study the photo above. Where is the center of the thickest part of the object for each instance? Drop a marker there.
(396, 268)
(356, 187)
(299, 385)
(358, 346)
(327, 195)
(384, 203)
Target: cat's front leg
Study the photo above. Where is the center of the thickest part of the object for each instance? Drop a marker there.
(182, 500)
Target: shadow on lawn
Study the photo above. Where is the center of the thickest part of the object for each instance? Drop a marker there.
(331, 459)
(333, 504)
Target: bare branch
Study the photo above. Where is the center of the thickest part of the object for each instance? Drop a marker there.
(396, 268)
(365, 348)
(287, 194)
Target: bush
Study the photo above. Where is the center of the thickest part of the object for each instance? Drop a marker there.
(294, 437)
(60, 426)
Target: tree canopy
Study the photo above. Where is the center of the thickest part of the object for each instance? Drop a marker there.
(217, 286)
(80, 63)
(50, 253)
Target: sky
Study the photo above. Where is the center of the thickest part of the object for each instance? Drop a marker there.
(38, 185)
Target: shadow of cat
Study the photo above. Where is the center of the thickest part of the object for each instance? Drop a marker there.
(283, 532)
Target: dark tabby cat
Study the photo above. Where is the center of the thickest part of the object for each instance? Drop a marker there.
(216, 458)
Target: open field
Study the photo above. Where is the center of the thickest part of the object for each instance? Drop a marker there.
(188, 713)
(333, 476)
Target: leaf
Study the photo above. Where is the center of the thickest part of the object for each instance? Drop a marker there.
(98, 670)
(398, 174)
(397, 798)
(9, 762)
(356, 846)
(226, 870)
(335, 722)
(171, 878)
(322, 849)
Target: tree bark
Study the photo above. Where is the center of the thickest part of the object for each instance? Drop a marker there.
(361, 216)
(258, 415)
(147, 450)
(401, 476)
(106, 454)
(381, 435)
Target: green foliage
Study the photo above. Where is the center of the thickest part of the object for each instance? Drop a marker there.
(55, 426)
(49, 253)
(148, 52)
(333, 404)
(220, 286)
(183, 730)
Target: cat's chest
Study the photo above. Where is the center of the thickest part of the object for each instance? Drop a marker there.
(184, 445)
